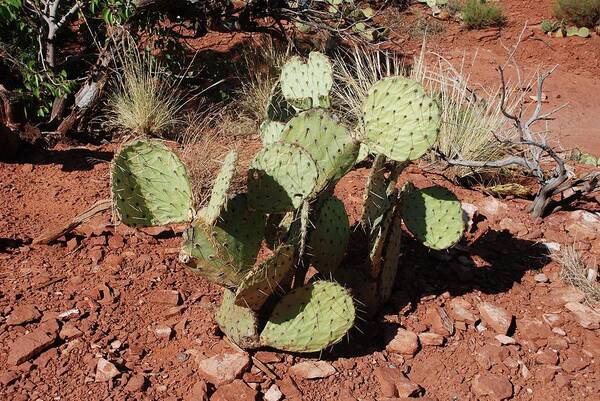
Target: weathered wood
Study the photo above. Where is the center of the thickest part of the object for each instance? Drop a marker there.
(52, 235)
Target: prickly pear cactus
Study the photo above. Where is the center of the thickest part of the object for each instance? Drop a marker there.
(265, 279)
(150, 185)
(281, 176)
(270, 132)
(310, 318)
(220, 190)
(327, 142)
(238, 323)
(400, 120)
(307, 84)
(434, 216)
(329, 239)
(278, 108)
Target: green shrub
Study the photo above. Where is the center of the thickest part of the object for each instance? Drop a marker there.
(579, 12)
(482, 14)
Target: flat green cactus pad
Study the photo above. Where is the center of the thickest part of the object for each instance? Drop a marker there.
(150, 186)
(207, 257)
(310, 318)
(238, 323)
(401, 121)
(264, 280)
(434, 216)
(241, 230)
(223, 253)
(306, 85)
(281, 176)
(328, 143)
(330, 237)
(220, 190)
(270, 132)
(375, 200)
(278, 108)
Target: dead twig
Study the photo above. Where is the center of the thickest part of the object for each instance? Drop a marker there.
(51, 236)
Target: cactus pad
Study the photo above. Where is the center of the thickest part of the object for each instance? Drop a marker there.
(310, 318)
(401, 121)
(281, 176)
(238, 323)
(219, 194)
(306, 85)
(207, 257)
(330, 237)
(434, 216)
(241, 230)
(150, 186)
(270, 132)
(328, 143)
(264, 280)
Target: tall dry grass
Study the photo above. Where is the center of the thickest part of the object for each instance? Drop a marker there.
(146, 101)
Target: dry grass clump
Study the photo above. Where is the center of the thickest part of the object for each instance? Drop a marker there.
(206, 137)
(260, 71)
(579, 12)
(145, 101)
(577, 273)
(471, 122)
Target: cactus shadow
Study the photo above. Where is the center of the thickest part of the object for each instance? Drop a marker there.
(71, 159)
(491, 264)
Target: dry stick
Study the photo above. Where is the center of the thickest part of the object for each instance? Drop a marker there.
(50, 236)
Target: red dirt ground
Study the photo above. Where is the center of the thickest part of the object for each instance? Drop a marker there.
(113, 277)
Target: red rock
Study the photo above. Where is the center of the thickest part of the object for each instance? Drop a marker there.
(583, 225)
(69, 332)
(311, 370)
(235, 391)
(72, 244)
(105, 371)
(574, 364)
(591, 343)
(29, 346)
(402, 341)
(557, 343)
(116, 242)
(163, 332)
(488, 356)
(461, 310)
(553, 319)
(273, 393)
(268, 357)
(532, 329)
(169, 297)
(249, 377)
(138, 383)
(438, 321)
(496, 386)
(7, 378)
(545, 374)
(23, 314)
(393, 383)
(496, 317)
(289, 388)
(431, 339)
(224, 368)
(546, 357)
(113, 260)
(562, 380)
(198, 392)
(587, 317)
(505, 340)
(563, 295)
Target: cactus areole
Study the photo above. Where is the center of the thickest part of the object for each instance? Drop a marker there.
(289, 205)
